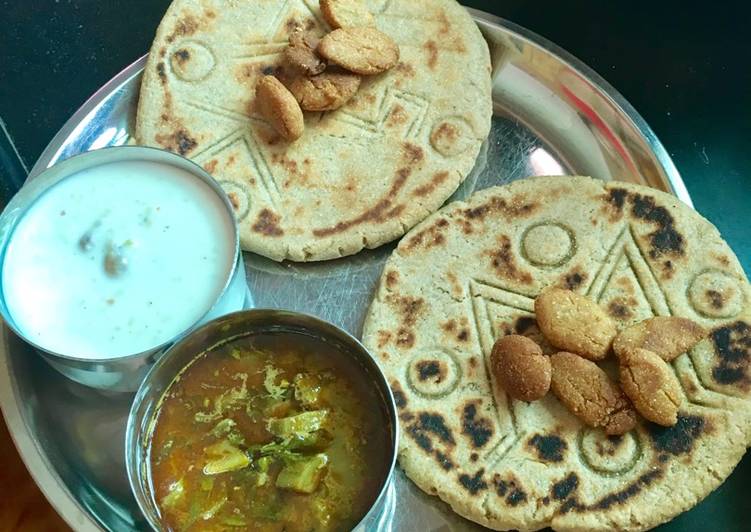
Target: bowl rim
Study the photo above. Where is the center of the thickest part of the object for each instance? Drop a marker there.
(138, 428)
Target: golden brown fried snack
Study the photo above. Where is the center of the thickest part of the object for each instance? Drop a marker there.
(325, 92)
(589, 393)
(277, 105)
(301, 53)
(666, 336)
(520, 367)
(574, 323)
(361, 50)
(651, 385)
(346, 13)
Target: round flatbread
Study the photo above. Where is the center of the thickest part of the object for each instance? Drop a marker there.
(359, 176)
(469, 274)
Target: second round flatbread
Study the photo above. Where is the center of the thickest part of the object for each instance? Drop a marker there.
(469, 275)
(359, 176)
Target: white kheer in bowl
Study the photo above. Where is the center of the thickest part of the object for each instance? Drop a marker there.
(110, 256)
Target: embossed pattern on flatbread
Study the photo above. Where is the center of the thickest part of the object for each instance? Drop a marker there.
(361, 175)
(469, 274)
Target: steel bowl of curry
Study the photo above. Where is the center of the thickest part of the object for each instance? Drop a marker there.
(264, 420)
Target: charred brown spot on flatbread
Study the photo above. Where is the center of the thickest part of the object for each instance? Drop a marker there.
(161, 72)
(510, 488)
(399, 398)
(549, 448)
(614, 200)
(512, 210)
(392, 278)
(405, 338)
(432, 50)
(445, 23)
(715, 298)
(179, 141)
(474, 483)
(622, 496)
(680, 438)
(384, 337)
(722, 260)
(610, 445)
(405, 69)
(456, 287)
(434, 423)
(476, 428)
(234, 200)
(182, 56)
(210, 166)
(668, 269)
(459, 331)
(563, 489)
(267, 224)
(432, 235)
(437, 179)
(434, 370)
(504, 262)
(665, 239)
(412, 153)
(409, 308)
(616, 197)
(732, 344)
(430, 430)
(574, 279)
(571, 504)
(383, 209)
(185, 27)
(397, 117)
(444, 461)
(621, 309)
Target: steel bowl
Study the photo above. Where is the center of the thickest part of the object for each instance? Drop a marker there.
(146, 404)
(123, 373)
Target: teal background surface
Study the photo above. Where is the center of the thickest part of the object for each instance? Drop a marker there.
(684, 66)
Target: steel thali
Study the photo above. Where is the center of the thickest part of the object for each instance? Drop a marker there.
(553, 115)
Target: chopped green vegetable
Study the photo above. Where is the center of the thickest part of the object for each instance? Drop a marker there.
(275, 390)
(303, 475)
(235, 521)
(176, 492)
(211, 512)
(228, 428)
(224, 457)
(279, 450)
(224, 427)
(263, 464)
(307, 389)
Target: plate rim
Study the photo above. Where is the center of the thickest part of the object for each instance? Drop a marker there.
(37, 461)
